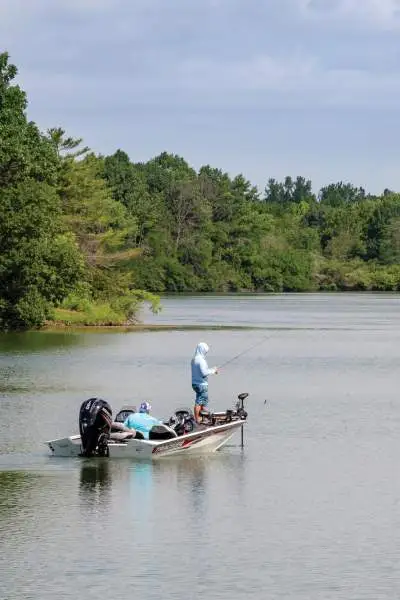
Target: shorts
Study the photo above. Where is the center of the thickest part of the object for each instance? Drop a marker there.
(201, 393)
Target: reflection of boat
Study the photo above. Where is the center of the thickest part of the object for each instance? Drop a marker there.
(95, 475)
(95, 484)
(99, 436)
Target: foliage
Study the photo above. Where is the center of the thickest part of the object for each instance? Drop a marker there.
(89, 239)
(61, 231)
(39, 262)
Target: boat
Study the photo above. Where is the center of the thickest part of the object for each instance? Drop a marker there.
(102, 436)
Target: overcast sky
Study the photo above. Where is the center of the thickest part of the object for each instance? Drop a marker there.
(267, 88)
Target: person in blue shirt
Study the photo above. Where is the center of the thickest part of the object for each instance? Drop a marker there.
(200, 373)
(142, 421)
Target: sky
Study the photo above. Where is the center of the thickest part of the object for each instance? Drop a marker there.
(266, 88)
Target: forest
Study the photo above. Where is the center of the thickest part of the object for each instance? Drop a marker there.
(87, 238)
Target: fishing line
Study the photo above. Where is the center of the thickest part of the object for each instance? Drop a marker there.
(245, 351)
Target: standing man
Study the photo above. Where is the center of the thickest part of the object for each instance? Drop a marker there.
(200, 373)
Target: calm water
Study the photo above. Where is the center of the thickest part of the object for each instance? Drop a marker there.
(309, 510)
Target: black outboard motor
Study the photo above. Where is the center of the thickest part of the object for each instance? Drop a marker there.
(95, 418)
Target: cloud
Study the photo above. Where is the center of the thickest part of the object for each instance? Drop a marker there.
(301, 81)
(378, 14)
(206, 53)
(243, 83)
(260, 82)
(22, 10)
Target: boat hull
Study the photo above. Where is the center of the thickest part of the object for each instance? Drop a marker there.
(201, 441)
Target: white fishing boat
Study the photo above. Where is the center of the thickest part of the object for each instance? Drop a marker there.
(100, 436)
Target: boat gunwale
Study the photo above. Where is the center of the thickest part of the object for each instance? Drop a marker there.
(157, 443)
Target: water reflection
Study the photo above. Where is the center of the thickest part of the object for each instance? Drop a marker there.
(14, 487)
(235, 466)
(141, 490)
(192, 476)
(251, 524)
(95, 482)
(29, 342)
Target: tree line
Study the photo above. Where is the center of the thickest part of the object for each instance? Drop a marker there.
(92, 235)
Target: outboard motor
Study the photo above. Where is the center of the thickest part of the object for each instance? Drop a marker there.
(95, 418)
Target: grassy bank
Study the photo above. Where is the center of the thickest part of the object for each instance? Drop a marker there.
(79, 310)
(94, 315)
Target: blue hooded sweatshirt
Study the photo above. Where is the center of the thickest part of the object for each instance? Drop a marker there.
(200, 370)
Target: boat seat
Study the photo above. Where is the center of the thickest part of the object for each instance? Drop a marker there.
(161, 432)
(124, 413)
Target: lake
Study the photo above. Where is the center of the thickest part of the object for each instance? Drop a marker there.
(309, 509)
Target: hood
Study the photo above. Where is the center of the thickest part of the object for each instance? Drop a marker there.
(201, 349)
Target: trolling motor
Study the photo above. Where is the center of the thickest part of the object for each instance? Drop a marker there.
(95, 419)
(226, 416)
(241, 413)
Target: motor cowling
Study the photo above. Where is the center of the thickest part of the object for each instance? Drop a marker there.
(95, 419)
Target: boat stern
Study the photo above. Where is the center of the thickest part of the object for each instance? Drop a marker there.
(65, 447)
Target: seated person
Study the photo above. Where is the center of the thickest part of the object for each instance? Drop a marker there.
(142, 421)
(119, 432)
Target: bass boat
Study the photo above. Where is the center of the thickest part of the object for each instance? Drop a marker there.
(100, 435)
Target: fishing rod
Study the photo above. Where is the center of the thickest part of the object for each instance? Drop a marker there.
(244, 351)
(243, 396)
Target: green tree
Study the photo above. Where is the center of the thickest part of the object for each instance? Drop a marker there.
(104, 230)
(39, 260)
(24, 151)
(39, 263)
(274, 192)
(129, 186)
(390, 242)
(339, 194)
(380, 233)
(64, 145)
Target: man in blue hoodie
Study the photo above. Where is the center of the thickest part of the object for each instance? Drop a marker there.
(200, 373)
(142, 421)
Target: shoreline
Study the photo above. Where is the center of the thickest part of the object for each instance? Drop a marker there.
(59, 327)
(79, 325)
